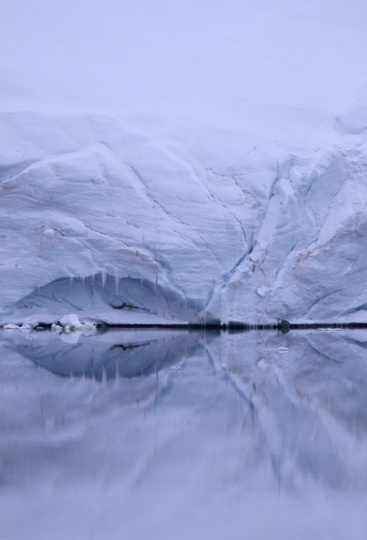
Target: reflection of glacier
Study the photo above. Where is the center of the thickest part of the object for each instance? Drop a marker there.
(214, 418)
(110, 355)
(306, 410)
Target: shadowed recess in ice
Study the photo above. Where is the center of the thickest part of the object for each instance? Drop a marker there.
(111, 299)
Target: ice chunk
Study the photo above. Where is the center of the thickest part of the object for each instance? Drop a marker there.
(29, 325)
(71, 323)
(11, 327)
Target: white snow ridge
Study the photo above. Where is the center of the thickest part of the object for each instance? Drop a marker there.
(196, 172)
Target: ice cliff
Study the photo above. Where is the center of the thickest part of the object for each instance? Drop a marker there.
(195, 186)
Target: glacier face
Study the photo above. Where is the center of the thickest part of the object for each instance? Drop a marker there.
(183, 162)
(116, 224)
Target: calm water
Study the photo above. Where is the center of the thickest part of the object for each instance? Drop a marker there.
(162, 435)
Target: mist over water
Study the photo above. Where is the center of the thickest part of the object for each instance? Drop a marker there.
(176, 435)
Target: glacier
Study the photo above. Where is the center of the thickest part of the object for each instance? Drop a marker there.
(195, 174)
(115, 225)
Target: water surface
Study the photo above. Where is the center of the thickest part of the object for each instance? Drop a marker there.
(176, 435)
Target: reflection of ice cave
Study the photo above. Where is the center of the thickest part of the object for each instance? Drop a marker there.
(109, 355)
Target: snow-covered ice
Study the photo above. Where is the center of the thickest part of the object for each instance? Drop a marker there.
(183, 160)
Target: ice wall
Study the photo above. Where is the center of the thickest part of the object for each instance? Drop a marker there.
(194, 160)
(102, 219)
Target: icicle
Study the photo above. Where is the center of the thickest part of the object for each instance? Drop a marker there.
(103, 278)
